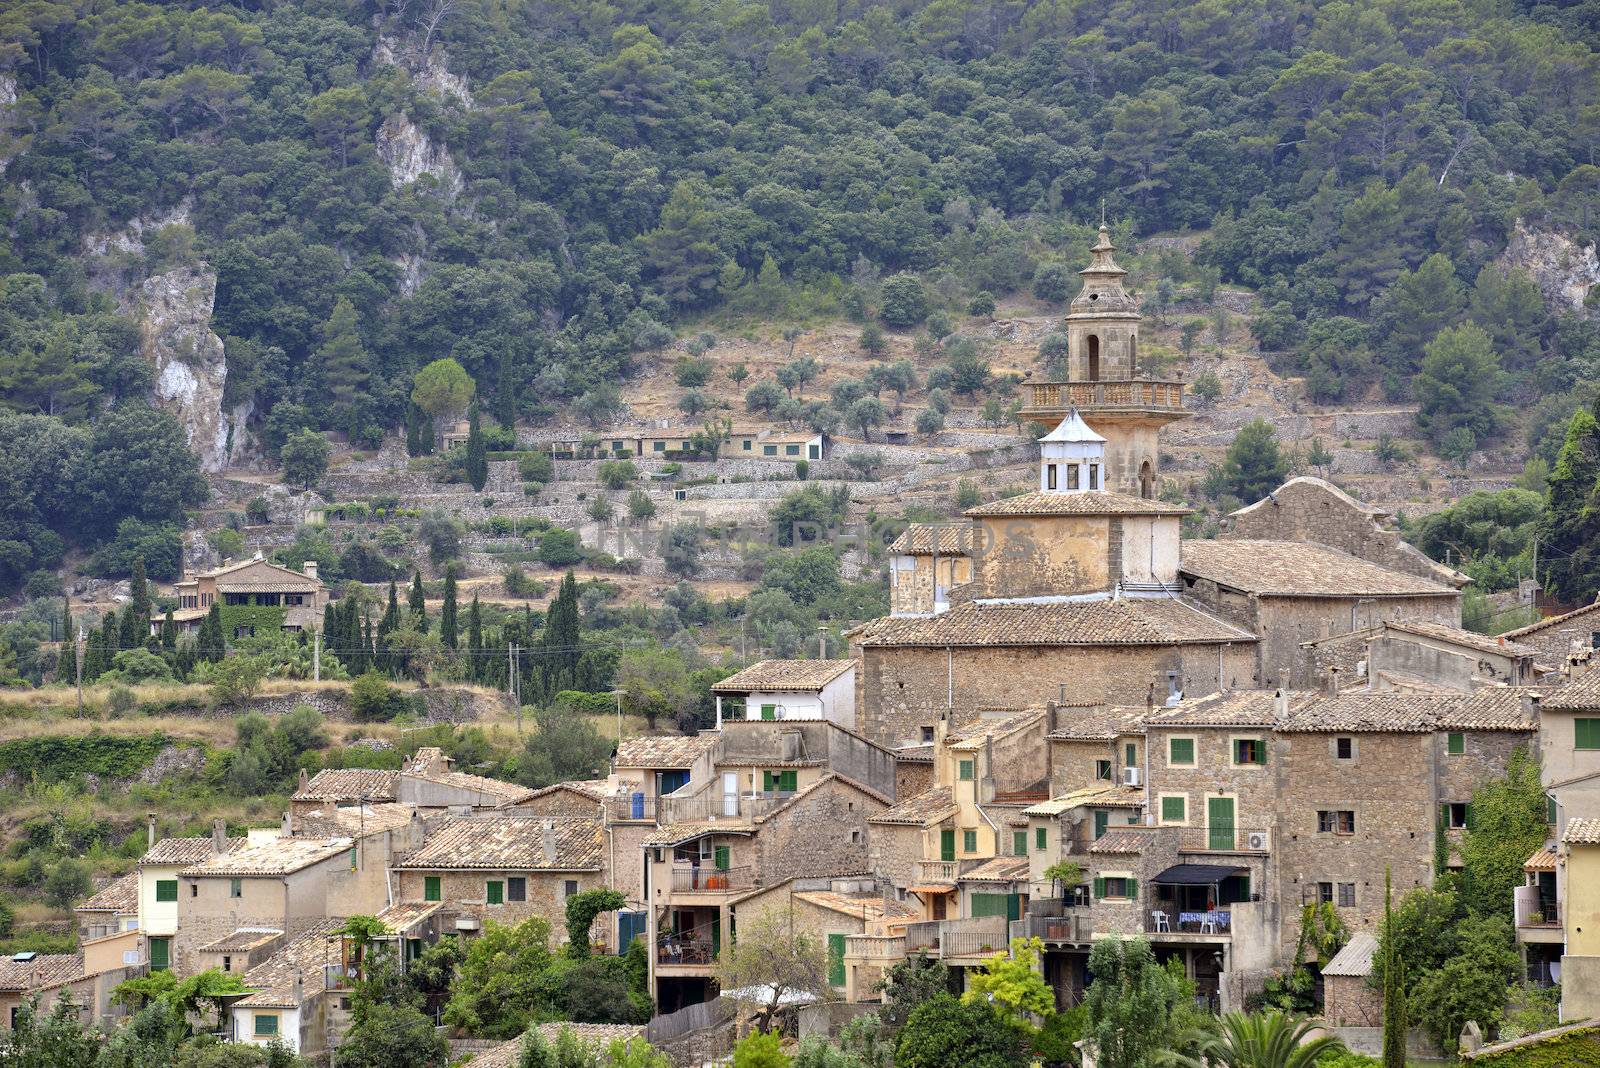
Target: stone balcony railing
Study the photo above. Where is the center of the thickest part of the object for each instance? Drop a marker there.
(938, 871)
(1127, 393)
(874, 947)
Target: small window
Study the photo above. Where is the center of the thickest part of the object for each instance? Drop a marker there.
(927, 735)
(1174, 809)
(1102, 769)
(236, 888)
(1180, 752)
(1019, 843)
(791, 450)
(1094, 476)
(769, 450)
(1072, 476)
(266, 1024)
(1040, 837)
(569, 889)
(969, 841)
(430, 888)
(658, 446)
(1130, 755)
(1586, 733)
(1249, 751)
(855, 837)
(227, 963)
(1050, 476)
(1456, 814)
(1347, 895)
(194, 889)
(353, 864)
(1325, 893)
(967, 770)
(1116, 886)
(1455, 743)
(516, 888)
(1336, 821)
(1550, 810)
(494, 892)
(1344, 748)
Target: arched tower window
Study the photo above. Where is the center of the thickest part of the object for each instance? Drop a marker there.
(1133, 355)
(1147, 481)
(1094, 357)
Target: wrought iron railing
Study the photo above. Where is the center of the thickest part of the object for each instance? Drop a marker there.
(1224, 839)
(712, 880)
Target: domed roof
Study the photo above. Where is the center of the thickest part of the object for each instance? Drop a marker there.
(1073, 429)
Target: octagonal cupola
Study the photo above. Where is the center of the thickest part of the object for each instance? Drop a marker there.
(1071, 457)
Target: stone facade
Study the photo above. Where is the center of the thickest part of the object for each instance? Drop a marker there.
(1351, 1001)
(466, 892)
(1555, 638)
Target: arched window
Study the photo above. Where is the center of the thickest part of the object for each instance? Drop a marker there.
(1094, 358)
(1147, 481)
(1133, 355)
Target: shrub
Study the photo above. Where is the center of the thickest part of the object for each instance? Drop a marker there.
(536, 467)
(559, 547)
(372, 698)
(904, 301)
(982, 305)
(1052, 281)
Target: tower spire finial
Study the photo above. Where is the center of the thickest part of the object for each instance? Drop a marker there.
(1102, 213)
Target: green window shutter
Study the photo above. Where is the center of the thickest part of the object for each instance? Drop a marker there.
(766, 782)
(266, 1024)
(1133, 887)
(968, 771)
(1586, 733)
(1101, 818)
(160, 954)
(1261, 751)
(720, 853)
(1174, 809)
(1019, 843)
(769, 711)
(1550, 810)
(495, 892)
(1041, 837)
(947, 844)
(788, 781)
(1181, 750)
(969, 841)
(1099, 886)
(836, 960)
(1130, 754)
(430, 888)
(166, 889)
(1455, 743)
(1470, 820)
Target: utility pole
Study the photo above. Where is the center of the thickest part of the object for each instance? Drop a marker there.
(78, 647)
(618, 695)
(512, 680)
(316, 656)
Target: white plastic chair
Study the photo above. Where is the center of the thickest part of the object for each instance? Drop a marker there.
(1209, 924)
(1161, 920)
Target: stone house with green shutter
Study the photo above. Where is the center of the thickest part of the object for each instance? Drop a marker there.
(789, 690)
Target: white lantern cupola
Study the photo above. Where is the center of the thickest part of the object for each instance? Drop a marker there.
(1072, 457)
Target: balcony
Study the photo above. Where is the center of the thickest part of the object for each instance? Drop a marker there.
(1134, 395)
(1253, 840)
(675, 954)
(1538, 918)
(631, 807)
(874, 948)
(1073, 927)
(972, 937)
(702, 880)
(938, 871)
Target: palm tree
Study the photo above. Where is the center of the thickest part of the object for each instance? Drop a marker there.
(1271, 1039)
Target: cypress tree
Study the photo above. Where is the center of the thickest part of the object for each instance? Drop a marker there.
(475, 641)
(109, 646)
(68, 633)
(419, 603)
(92, 657)
(139, 595)
(213, 643)
(447, 614)
(366, 646)
(419, 432)
(169, 632)
(128, 634)
(1396, 1020)
(559, 652)
(391, 614)
(477, 451)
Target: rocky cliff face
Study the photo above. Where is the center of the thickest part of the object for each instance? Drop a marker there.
(1563, 270)
(174, 311)
(409, 153)
(427, 72)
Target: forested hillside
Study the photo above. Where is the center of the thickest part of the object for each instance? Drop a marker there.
(545, 190)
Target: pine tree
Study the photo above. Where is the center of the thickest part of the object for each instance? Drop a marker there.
(1570, 527)
(343, 361)
(1395, 1015)
(419, 603)
(1254, 466)
(475, 641)
(477, 452)
(447, 614)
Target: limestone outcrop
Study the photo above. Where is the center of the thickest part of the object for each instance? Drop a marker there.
(174, 311)
(410, 153)
(1563, 270)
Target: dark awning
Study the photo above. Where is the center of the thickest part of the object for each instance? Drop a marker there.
(1197, 874)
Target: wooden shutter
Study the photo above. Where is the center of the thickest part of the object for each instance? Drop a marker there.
(1099, 886)
(1133, 887)
(1261, 751)
(720, 853)
(1019, 843)
(766, 782)
(788, 781)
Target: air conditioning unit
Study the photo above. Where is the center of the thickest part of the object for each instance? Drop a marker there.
(1132, 777)
(1258, 840)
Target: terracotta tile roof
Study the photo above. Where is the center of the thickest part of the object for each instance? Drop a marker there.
(784, 675)
(920, 539)
(929, 806)
(1492, 708)
(242, 940)
(1582, 832)
(1121, 840)
(355, 820)
(280, 856)
(1097, 722)
(1093, 502)
(510, 843)
(493, 790)
(972, 736)
(43, 970)
(1553, 621)
(1362, 711)
(120, 895)
(865, 907)
(1117, 797)
(1543, 859)
(349, 784)
(593, 789)
(997, 870)
(404, 915)
(688, 830)
(917, 754)
(1067, 801)
(1580, 695)
(1467, 639)
(1299, 569)
(1230, 708)
(1153, 621)
(305, 955)
(181, 851)
(663, 750)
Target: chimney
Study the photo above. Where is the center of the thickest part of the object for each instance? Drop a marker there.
(219, 836)
(549, 843)
(150, 828)
(305, 778)
(288, 823)
(1333, 682)
(1050, 710)
(1280, 701)
(298, 990)
(309, 569)
(1530, 705)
